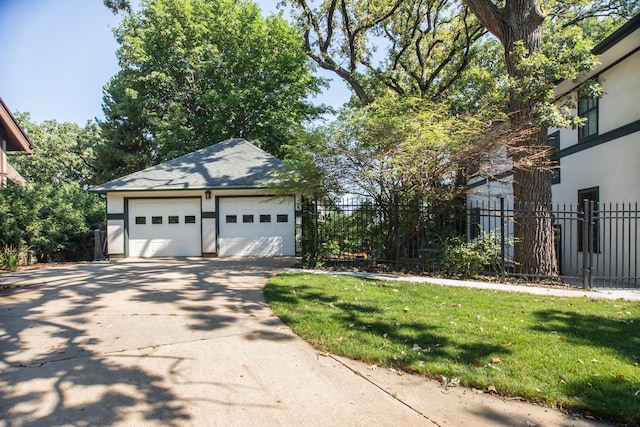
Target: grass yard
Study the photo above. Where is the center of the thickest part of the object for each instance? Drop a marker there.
(575, 354)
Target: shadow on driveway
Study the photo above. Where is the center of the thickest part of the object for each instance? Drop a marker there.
(66, 334)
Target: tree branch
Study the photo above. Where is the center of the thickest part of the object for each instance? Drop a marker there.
(489, 15)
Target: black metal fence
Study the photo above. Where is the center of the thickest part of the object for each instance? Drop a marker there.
(595, 244)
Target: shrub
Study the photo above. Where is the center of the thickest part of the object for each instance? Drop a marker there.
(472, 258)
(55, 221)
(10, 258)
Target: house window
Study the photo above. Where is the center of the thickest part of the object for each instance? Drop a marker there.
(140, 220)
(588, 110)
(282, 218)
(474, 223)
(231, 219)
(586, 196)
(265, 218)
(174, 219)
(554, 157)
(190, 219)
(247, 218)
(156, 220)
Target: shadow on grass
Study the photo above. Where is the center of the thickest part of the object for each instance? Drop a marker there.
(414, 341)
(613, 393)
(618, 335)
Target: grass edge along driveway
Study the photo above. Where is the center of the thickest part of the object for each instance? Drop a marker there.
(577, 354)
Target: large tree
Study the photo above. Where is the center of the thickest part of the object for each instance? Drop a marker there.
(64, 152)
(195, 72)
(435, 49)
(539, 51)
(412, 47)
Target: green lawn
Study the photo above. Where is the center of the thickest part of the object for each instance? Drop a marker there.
(572, 353)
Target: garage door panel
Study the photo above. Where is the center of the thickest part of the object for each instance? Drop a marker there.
(262, 246)
(164, 227)
(250, 227)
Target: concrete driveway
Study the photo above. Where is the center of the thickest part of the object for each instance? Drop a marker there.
(191, 342)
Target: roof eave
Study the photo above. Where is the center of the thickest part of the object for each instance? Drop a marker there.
(147, 190)
(617, 36)
(629, 34)
(18, 139)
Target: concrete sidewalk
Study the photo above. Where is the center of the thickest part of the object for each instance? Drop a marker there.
(610, 294)
(191, 342)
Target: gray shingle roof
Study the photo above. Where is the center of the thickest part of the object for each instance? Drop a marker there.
(234, 163)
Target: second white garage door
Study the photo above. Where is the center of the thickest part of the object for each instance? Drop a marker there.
(256, 226)
(164, 227)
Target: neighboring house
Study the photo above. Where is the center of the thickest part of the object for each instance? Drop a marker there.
(212, 202)
(598, 162)
(601, 160)
(603, 157)
(12, 138)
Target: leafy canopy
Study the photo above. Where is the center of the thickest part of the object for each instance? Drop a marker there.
(411, 47)
(195, 72)
(394, 147)
(64, 152)
(53, 216)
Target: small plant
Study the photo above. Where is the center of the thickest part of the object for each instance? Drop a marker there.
(10, 258)
(472, 258)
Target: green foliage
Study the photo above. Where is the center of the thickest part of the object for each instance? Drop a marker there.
(470, 259)
(347, 233)
(434, 48)
(55, 220)
(10, 257)
(566, 55)
(196, 72)
(54, 215)
(414, 48)
(569, 32)
(576, 353)
(118, 5)
(305, 170)
(396, 147)
(63, 152)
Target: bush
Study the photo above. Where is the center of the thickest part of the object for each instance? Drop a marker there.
(472, 258)
(55, 221)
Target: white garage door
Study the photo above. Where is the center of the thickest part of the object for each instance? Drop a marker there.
(256, 226)
(164, 227)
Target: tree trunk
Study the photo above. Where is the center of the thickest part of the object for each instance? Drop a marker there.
(534, 248)
(521, 20)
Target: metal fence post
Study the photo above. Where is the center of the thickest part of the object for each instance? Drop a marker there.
(586, 244)
(591, 224)
(303, 231)
(396, 221)
(503, 252)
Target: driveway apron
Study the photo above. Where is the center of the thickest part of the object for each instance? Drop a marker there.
(192, 342)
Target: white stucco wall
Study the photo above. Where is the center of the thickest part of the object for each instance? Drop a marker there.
(115, 237)
(621, 103)
(613, 167)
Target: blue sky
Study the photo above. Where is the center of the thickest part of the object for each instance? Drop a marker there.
(57, 55)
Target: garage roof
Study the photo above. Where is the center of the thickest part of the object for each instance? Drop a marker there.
(234, 163)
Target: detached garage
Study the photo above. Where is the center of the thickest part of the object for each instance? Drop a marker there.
(213, 202)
